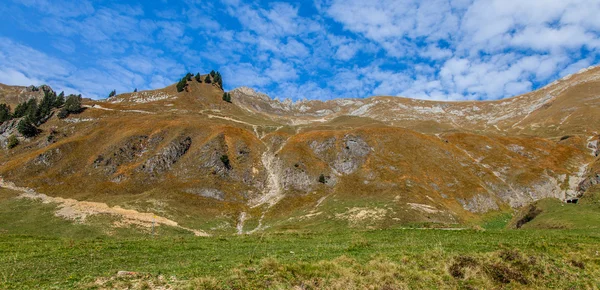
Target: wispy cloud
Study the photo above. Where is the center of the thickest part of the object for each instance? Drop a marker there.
(438, 49)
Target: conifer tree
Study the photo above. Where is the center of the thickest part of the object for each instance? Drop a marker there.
(207, 79)
(60, 100)
(181, 85)
(198, 78)
(26, 128)
(112, 93)
(5, 113)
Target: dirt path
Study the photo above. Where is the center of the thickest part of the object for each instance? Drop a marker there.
(78, 211)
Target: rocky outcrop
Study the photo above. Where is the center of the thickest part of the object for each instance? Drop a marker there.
(129, 150)
(164, 160)
(210, 156)
(6, 129)
(207, 192)
(352, 156)
(588, 182)
(48, 158)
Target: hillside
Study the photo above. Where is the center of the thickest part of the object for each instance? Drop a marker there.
(200, 164)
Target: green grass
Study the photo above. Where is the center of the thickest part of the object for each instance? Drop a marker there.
(496, 221)
(44, 262)
(555, 214)
(41, 251)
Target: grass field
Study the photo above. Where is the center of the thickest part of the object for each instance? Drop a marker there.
(41, 251)
(365, 259)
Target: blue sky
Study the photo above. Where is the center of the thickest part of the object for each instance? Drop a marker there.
(321, 49)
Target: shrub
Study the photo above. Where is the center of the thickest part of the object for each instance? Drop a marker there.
(322, 179)
(12, 142)
(225, 160)
(63, 113)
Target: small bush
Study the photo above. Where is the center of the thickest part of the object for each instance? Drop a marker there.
(12, 142)
(225, 160)
(63, 114)
(322, 179)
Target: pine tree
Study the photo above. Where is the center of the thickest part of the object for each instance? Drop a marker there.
(135, 91)
(112, 94)
(227, 97)
(212, 73)
(181, 85)
(207, 79)
(189, 76)
(218, 79)
(20, 110)
(26, 128)
(32, 111)
(60, 100)
(198, 78)
(5, 113)
(73, 104)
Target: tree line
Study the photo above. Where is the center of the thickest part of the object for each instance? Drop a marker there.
(214, 77)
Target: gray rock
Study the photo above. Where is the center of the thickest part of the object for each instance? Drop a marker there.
(207, 192)
(352, 156)
(129, 150)
(6, 129)
(164, 160)
(588, 182)
(479, 203)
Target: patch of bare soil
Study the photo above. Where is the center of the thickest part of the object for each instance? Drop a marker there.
(78, 211)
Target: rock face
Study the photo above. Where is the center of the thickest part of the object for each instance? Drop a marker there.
(168, 156)
(352, 155)
(588, 182)
(129, 150)
(6, 129)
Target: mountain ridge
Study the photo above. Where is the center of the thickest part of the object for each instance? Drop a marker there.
(257, 163)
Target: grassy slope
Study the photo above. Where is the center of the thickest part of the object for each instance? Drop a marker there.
(555, 214)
